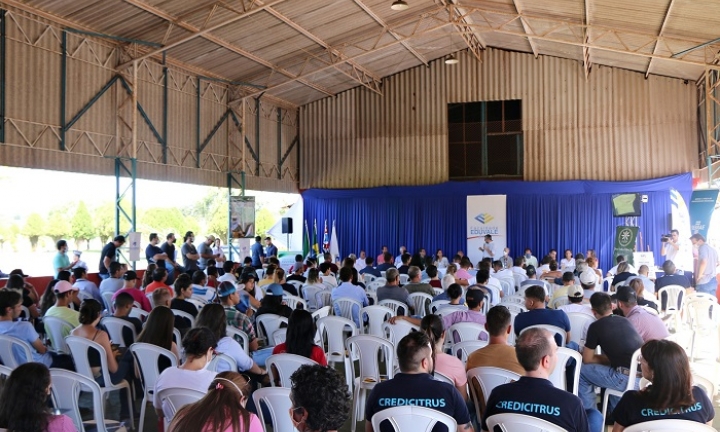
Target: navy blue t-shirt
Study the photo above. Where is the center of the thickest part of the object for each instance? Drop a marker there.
(152, 250)
(543, 316)
(109, 251)
(257, 253)
(371, 270)
(417, 390)
(633, 408)
(537, 397)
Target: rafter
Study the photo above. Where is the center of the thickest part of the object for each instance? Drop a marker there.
(660, 33)
(464, 25)
(586, 50)
(220, 42)
(392, 32)
(527, 29)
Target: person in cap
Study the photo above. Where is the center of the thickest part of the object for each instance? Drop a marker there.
(109, 255)
(64, 294)
(189, 253)
(273, 303)
(588, 281)
(230, 298)
(132, 288)
(649, 326)
(205, 249)
(576, 295)
(706, 276)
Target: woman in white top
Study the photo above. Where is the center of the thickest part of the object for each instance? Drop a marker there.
(568, 263)
(440, 260)
(199, 345)
(217, 250)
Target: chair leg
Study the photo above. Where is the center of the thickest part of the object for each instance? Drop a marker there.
(606, 400)
(141, 421)
(354, 413)
(130, 408)
(692, 347)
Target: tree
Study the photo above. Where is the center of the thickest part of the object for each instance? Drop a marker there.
(163, 221)
(104, 218)
(264, 220)
(34, 227)
(219, 224)
(81, 228)
(58, 223)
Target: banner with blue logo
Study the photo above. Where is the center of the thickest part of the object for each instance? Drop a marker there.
(702, 205)
(486, 215)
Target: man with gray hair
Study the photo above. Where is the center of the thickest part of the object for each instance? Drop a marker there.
(534, 395)
(414, 285)
(392, 290)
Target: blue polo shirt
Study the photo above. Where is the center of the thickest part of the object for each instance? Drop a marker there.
(542, 316)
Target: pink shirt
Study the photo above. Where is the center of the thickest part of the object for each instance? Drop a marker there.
(60, 423)
(462, 274)
(138, 296)
(452, 368)
(255, 425)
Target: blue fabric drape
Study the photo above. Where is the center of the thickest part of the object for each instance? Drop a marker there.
(573, 215)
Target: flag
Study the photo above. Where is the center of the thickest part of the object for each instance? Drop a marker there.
(315, 248)
(326, 239)
(334, 248)
(306, 240)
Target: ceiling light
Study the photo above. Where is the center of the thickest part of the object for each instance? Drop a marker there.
(451, 60)
(399, 5)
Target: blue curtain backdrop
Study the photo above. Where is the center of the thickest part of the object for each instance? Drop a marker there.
(573, 215)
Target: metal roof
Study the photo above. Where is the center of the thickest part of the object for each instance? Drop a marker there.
(304, 50)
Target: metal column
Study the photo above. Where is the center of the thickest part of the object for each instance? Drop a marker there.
(3, 71)
(712, 126)
(125, 169)
(231, 180)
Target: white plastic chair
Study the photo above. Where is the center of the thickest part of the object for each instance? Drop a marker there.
(366, 350)
(376, 316)
(346, 306)
(487, 378)
(447, 309)
(555, 330)
(701, 314)
(150, 299)
(222, 363)
(281, 366)
(321, 313)
(558, 377)
(508, 286)
(514, 307)
(420, 301)
(515, 298)
(177, 337)
(465, 331)
(107, 299)
(65, 394)
(333, 332)
(174, 398)
(79, 347)
(309, 292)
(297, 284)
(435, 305)
(146, 357)
(9, 354)
(631, 384)
(437, 291)
(462, 350)
(323, 298)
(279, 336)
(509, 422)
(397, 331)
(398, 307)
(184, 315)
(57, 329)
(412, 419)
(404, 279)
(278, 404)
(670, 425)
(705, 384)
(240, 337)
(5, 371)
(372, 298)
(139, 313)
(197, 302)
(374, 285)
(293, 302)
(266, 324)
(367, 278)
(559, 301)
(675, 295)
(115, 326)
(578, 323)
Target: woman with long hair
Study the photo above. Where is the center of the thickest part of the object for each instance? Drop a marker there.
(221, 410)
(147, 277)
(320, 399)
(313, 278)
(212, 316)
(446, 364)
(218, 252)
(440, 260)
(300, 338)
(638, 286)
(671, 394)
(568, 262)
(158, 330)
(48, 297)
(24, 402)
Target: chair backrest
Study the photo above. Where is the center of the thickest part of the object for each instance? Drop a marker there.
(294, 301)
(559, 301)
(376, 316)
(634, 361)
(296, 284)
(222, 363)
(174, 398)
(279, 336)
(508, 286)
(65, 394)
(58, 328)
(420, 301)
(323, 298)
(670, 425)
(578, 323)
(398, 330)
(555, 330)
(150, 299)
(435, 305)
(412, 419)
(79, 347)
(107, 299)
(197, 302)
(177, 336)
(367, 278)
(675, 297)
(184, 315)
(139, 313)
(309, 294)
(332, 331)
(465, 331)
(366, 349)
(146, 357)
(447, 309)
(702, 314)
(514, 307)
(281, 366)
(488, 378)
(404, 279)
(438, 291)
(345, 307)
(5, 371)
(14, 351)
(374, 285)
(509, 422)
(515, 298)
(398, 307)
(266, 324)
(321, 313)
(558, 376)
(240, 337)
(115, 326)
(277, 402)
(462, 350)
(706, 384)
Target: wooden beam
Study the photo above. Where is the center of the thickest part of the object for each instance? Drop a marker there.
(660, 33)
(527, 29)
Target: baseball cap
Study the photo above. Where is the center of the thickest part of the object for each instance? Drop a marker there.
(575, 291)
(274, 289)
(130, 275)
(226, 288)
(475, 295)
(625, 293)
(63, 287)
(19, 272)
(588, 277)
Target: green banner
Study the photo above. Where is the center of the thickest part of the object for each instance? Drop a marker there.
(625, 238)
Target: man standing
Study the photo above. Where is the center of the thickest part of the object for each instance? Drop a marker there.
(530, 259)
(706, 275)
(415, 385)
(61, 262)
(155, 254)
(618, 339)
(113, 283)
(671, 246)
(488, 248)
(270, 249)
(108, 255)
(257, 253)
(648, 326)
(189, 254)
(206, 252)
(534, 395)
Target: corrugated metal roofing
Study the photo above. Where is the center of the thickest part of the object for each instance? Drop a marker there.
(283, 46)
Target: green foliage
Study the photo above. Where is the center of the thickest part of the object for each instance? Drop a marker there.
(81, 227)
(104, 218)
(58, 223)
(34, 227)
(264, 220)
(163, 221)
(219, 223)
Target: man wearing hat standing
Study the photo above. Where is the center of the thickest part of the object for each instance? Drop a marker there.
(648, 326)
(130, 278)
(206, 252)
(706, 275)
(65, 293)
(229, 298)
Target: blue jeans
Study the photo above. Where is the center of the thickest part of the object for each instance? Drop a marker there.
(709, 287)
(261, 355)
(104, 276)
(595, 420)
(597, 375)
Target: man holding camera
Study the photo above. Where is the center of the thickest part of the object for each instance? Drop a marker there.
(671, 245)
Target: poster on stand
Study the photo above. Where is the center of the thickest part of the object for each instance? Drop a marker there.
(242, 217)
(486, 214)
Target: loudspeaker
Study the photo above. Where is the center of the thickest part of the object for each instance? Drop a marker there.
(287, 226)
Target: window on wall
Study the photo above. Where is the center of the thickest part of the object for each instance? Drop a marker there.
(485, 139)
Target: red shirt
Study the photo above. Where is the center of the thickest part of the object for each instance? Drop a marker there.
(435, 283)
(137, 295)
(155, 285)
(317, 353)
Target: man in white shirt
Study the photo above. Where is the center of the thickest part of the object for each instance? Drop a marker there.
(530, 259)
(500, 272)
(398, 259)
(672, 246)
(619, 259)
(488, 248)
(228, 276)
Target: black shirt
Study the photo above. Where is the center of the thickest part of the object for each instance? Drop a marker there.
(290, 288)
(621, 277)
(169, 249)
(633, 408)
(403, 269)
(185, 306)
(150, 252)
(127, 335)
(617, 337)
(108, 251)
(673, 279)
(295, 277)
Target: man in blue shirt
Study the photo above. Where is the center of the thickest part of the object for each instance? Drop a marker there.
(155, 254)
(387, 263)
(369, 269)
(270, 249)
(347, 290)
(257, 253)
(538, 314)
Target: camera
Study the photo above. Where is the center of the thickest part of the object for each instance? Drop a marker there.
(665, 238)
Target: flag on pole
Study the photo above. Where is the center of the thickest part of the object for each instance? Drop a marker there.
(334, 248)
(326, 239)
(315, 248)
(306, 240)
